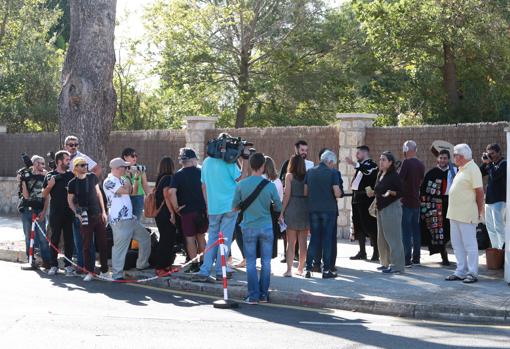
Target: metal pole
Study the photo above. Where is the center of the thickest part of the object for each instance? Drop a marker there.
(507, 225)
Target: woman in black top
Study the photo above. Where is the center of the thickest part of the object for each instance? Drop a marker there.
(387, 191)
(165, 220)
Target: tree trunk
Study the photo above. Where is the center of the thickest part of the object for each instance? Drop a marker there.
(450, 79)
(244, 89)
(87, 100)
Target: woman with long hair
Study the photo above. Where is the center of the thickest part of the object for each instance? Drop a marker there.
(165, 220)
(387, 192)
(295, 213)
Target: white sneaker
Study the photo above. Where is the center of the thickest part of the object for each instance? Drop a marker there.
(69, 271)
(105, 276)
(88, 277)
(52, 271)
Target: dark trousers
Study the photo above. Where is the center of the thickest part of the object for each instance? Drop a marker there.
(323, 237)
(94, 230)
(364, 225)
(61, 223)
(165, 255)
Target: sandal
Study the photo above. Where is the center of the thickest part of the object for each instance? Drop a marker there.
(241, 264)
(453, 277)
(470, 279)
(287, 274)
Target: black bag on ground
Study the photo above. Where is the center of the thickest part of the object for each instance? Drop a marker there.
(132, 255)
(482, 237)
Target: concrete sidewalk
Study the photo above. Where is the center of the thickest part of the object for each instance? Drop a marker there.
(420, 292)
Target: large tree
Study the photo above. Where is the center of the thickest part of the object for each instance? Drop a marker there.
(87, 100)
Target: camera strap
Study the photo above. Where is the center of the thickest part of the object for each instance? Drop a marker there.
(251, 198)
(86, 189)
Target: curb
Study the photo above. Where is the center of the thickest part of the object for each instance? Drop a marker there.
(400, 309)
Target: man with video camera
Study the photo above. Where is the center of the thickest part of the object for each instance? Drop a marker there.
(61, 216)
(226, 164)
(32, 202)
(494, 166)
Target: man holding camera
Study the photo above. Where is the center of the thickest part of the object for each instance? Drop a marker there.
(219, 181)
(124, 225)
(86, 202)
(61, 216)
(494, 166)
(31, 183)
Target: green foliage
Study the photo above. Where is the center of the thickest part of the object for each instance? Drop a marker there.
(29, 66)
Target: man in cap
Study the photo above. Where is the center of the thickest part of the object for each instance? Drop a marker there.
(124, 225)
(186, 195)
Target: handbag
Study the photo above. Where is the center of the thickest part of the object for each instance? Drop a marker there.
(150, 209)
(372, 209)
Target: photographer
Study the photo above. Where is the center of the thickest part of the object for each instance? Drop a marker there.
(86, 201)
(61, 216)
(219, 179)
(138, 178)
(32, 202)
(124, 226)
(494, 166)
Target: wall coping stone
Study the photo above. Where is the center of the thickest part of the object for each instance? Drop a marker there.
(202, 118)
(355, 116)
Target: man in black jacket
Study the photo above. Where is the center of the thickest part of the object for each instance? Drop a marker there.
(364, 224)
(494, 166)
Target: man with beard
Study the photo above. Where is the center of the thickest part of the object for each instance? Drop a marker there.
(364, 224)
(61, 216)
(434, 205)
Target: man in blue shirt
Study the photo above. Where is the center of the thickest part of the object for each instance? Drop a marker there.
(219, 180)
(257, 226)
(322, 185)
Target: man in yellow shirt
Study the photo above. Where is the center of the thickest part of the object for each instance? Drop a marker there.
(465, 209)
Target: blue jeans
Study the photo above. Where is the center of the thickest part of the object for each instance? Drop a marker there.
(39, 240)
(258, 289)
(411, 234)
(78, 245)
(137, 203)
(323, 236)
(218, 222)
(495, 221)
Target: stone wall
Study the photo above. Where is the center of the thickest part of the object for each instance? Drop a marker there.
(8, 195)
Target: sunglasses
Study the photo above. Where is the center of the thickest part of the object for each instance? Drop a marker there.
(73, 145)
(82, 165)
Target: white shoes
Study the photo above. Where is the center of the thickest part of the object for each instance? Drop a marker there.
(53, 271)
(88, 277)
(105, 276)
(69, 271)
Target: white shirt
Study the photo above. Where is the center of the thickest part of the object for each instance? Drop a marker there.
(91, 163)
(279, 187)
(119, 205)
(308, 164)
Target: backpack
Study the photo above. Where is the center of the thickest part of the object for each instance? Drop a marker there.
(149, 205)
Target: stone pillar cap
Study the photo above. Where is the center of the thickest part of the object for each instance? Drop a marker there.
(507, 129)
(202, 118)
(356, 116)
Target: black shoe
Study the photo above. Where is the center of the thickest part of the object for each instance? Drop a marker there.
(416, 262)
(194, 268)
(329, 275)
(283, 260)
(375, 258)
(308, 275)
(382, 267)
(358, 256)
(317, 269)
(391, 271)
(445, 263)
(220, 277)
(409, 265)
(333, 269)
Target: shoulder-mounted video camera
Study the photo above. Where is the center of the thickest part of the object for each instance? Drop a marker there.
(229, 149)
(25, 172)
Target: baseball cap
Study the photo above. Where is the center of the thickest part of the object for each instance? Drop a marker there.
(187, 154)
(118, 162)
(79, 160)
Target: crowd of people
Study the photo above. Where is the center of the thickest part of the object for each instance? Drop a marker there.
(394, 205)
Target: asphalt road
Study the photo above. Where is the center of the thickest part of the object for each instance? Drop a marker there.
(37, 311)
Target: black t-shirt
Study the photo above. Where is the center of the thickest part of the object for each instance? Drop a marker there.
(163, 182)
(189, 189)
(58, 202)
(85, 194)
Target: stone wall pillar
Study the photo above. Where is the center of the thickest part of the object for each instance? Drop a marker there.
(351, 135)
(196, 128)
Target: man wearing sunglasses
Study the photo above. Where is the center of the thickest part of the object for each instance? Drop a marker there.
(71, 145)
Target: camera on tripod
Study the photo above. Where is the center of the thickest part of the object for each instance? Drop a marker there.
(229, 148)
